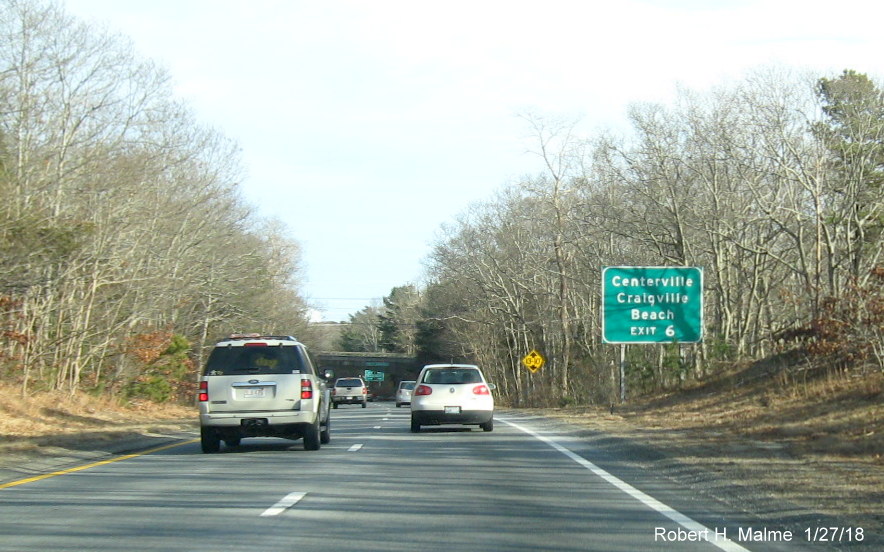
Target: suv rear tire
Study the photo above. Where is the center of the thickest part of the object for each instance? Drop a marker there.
(312, 439)
(325, 432)
(210, 442)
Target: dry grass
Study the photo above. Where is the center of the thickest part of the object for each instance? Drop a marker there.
(58, 419)
(836, 416)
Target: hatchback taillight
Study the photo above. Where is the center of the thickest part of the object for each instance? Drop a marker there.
(204, 391)
(423, 390)
(481, 390)
(306, 389)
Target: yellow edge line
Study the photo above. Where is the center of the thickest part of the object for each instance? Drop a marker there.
(94, 464)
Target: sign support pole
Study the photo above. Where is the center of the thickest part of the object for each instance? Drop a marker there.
(650, 304)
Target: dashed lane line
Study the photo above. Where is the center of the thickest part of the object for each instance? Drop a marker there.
(287, 502)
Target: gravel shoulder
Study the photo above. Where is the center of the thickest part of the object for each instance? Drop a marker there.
(763, 477)
(764, 449)
(23, 457)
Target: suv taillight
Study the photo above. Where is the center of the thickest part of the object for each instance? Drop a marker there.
(365, 390)
(204, 391)
(423, 390)
(306, 389)
(481, 390)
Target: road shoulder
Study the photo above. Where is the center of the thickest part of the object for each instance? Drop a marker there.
(24, 457)
(761, 478)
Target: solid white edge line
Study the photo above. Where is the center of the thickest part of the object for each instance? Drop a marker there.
(649, 501)
(287, 502)
(354, 448)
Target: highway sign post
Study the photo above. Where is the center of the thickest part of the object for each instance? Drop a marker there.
(652, 304)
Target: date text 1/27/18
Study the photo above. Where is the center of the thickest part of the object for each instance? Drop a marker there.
(834, 534)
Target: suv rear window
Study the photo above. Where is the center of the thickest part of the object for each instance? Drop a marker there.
(452, 375)
(348, 383)
(228, 361)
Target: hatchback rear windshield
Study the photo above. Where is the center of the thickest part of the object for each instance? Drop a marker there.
(452, 375)
(349, 383)
(227, 361)
(406, 385)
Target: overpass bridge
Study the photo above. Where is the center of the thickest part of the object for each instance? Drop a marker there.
(395, 367)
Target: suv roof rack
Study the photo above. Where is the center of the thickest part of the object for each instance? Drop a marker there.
(241, 336)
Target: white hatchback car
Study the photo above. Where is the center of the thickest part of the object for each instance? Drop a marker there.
(403, 393)
(452, 394)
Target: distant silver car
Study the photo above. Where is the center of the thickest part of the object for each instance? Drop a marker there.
(403, 393)
(452, 394)
(350, 391)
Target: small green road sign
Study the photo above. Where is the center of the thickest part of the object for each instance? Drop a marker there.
(372, 375)
(652, 304)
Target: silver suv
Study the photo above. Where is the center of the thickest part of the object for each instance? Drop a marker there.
(262, 386)
(350, 391)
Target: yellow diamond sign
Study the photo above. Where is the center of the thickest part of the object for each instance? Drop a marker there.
(533, 361)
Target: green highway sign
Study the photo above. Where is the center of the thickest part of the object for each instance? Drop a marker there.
(372, 375)
(652, 304)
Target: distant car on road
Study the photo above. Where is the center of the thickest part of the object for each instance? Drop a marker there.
(350, 391)
(262, 386)
(452, 394)
(403, 393)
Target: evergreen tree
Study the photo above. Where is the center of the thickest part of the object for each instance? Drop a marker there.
(854, 134)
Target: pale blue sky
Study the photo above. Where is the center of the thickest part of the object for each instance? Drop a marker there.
(367, 125)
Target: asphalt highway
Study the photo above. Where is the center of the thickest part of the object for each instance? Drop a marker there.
(526, 486)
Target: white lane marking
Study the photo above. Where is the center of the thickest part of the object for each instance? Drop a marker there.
(354, 448)
(377, 427)
(649, 501)
(287, 502)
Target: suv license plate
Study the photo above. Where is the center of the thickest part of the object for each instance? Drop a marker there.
(256, 393)
(452, 410)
